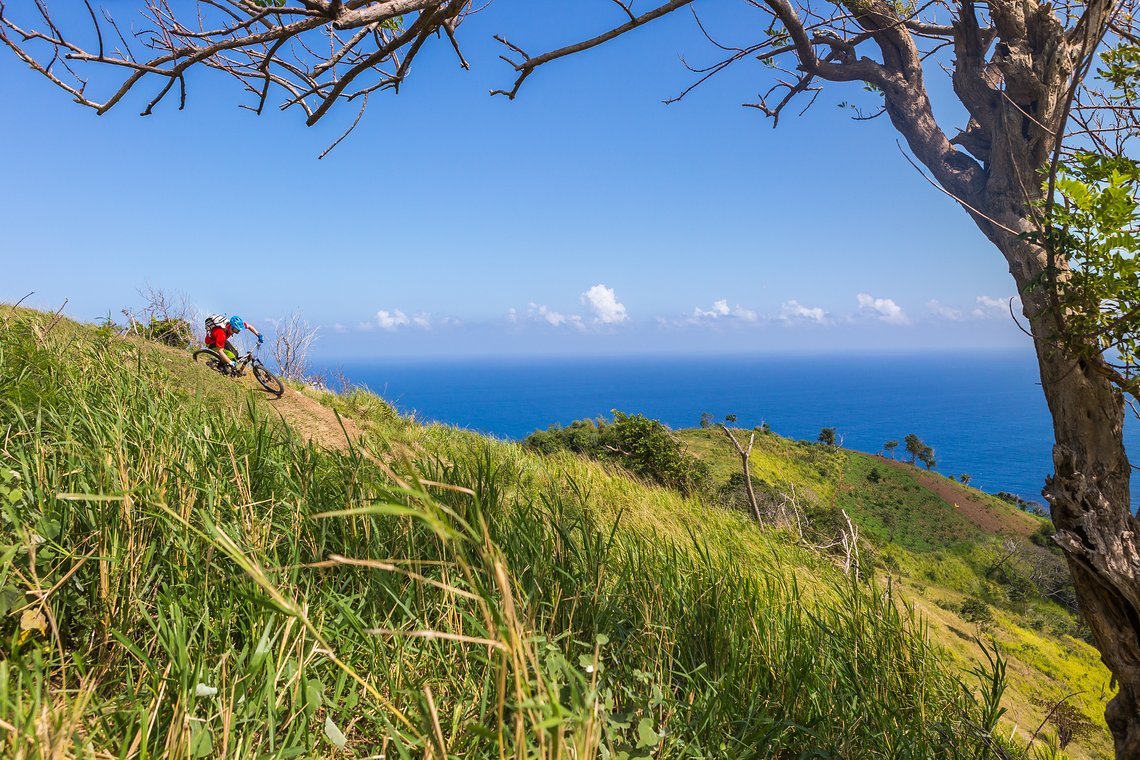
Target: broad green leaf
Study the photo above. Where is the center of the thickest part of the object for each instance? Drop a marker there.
(201, 740)
(314, 694)
(10, 599)
(647, 735)
(333, 733)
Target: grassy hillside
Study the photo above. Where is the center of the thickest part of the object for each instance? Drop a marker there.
(975, 565)
(189, 569)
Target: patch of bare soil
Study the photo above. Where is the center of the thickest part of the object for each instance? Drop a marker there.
(315, 421)
(990, 517)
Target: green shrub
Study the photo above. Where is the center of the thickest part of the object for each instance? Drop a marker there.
(107, 328)
(1015, 579)
(977, 611)
(1043, 537)
(733, 494)
(643, 446)
(176, 333)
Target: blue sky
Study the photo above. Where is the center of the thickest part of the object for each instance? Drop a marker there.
(585, 217)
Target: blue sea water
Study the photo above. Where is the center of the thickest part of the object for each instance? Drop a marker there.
(983, 413)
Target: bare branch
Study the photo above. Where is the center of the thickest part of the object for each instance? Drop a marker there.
(529, 64)
(260, 47)
(292, 343)
(339, 140)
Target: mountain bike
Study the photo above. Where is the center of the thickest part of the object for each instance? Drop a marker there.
(264, 377)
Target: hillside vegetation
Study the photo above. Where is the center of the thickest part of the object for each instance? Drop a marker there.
(976, 567)
(973, 565)
(189, 569)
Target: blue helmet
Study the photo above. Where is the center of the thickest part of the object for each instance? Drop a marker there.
(237, 323)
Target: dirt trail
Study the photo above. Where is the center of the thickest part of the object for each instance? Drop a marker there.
(987, 516)
(309, 418)
(315, 421)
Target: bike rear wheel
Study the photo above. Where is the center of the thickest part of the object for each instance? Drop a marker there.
(210, 358)
(268, 380)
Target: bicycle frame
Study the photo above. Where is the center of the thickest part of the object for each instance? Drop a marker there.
(264, 377)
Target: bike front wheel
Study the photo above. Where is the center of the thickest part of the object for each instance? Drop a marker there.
(268, 380)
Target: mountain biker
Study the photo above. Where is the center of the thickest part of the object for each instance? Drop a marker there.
(219, 329)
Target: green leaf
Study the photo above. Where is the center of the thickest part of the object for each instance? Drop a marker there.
(10, 599)
(201, 740)
(647, 735)
(480, 730)
(314, 695)
(333, 733)
(49, 529)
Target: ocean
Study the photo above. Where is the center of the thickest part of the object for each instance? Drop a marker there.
(983, 413)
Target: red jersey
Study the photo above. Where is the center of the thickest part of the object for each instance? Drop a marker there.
(216, 338)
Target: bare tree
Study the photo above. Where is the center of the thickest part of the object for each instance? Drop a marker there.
(744, 455)
(1019, 68)
(166, 316)
(1009, 548)
(164, 305)
(788, 510)
(1050, 577)
(849, 539)
(294, 337)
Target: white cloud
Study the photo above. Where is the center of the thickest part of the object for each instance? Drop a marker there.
(743, 314)
(392, 320)
(994, 308)
(883, 309)
(607, 309)
(396, 319)
(720, 309)
(794, 311)
(338, 327)
(540, 311)
(943, 311)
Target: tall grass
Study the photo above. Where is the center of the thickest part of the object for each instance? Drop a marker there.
(185, 577)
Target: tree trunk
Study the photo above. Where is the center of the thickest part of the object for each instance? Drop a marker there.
(1089, 489)
(744, 454)
(1091, 509)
